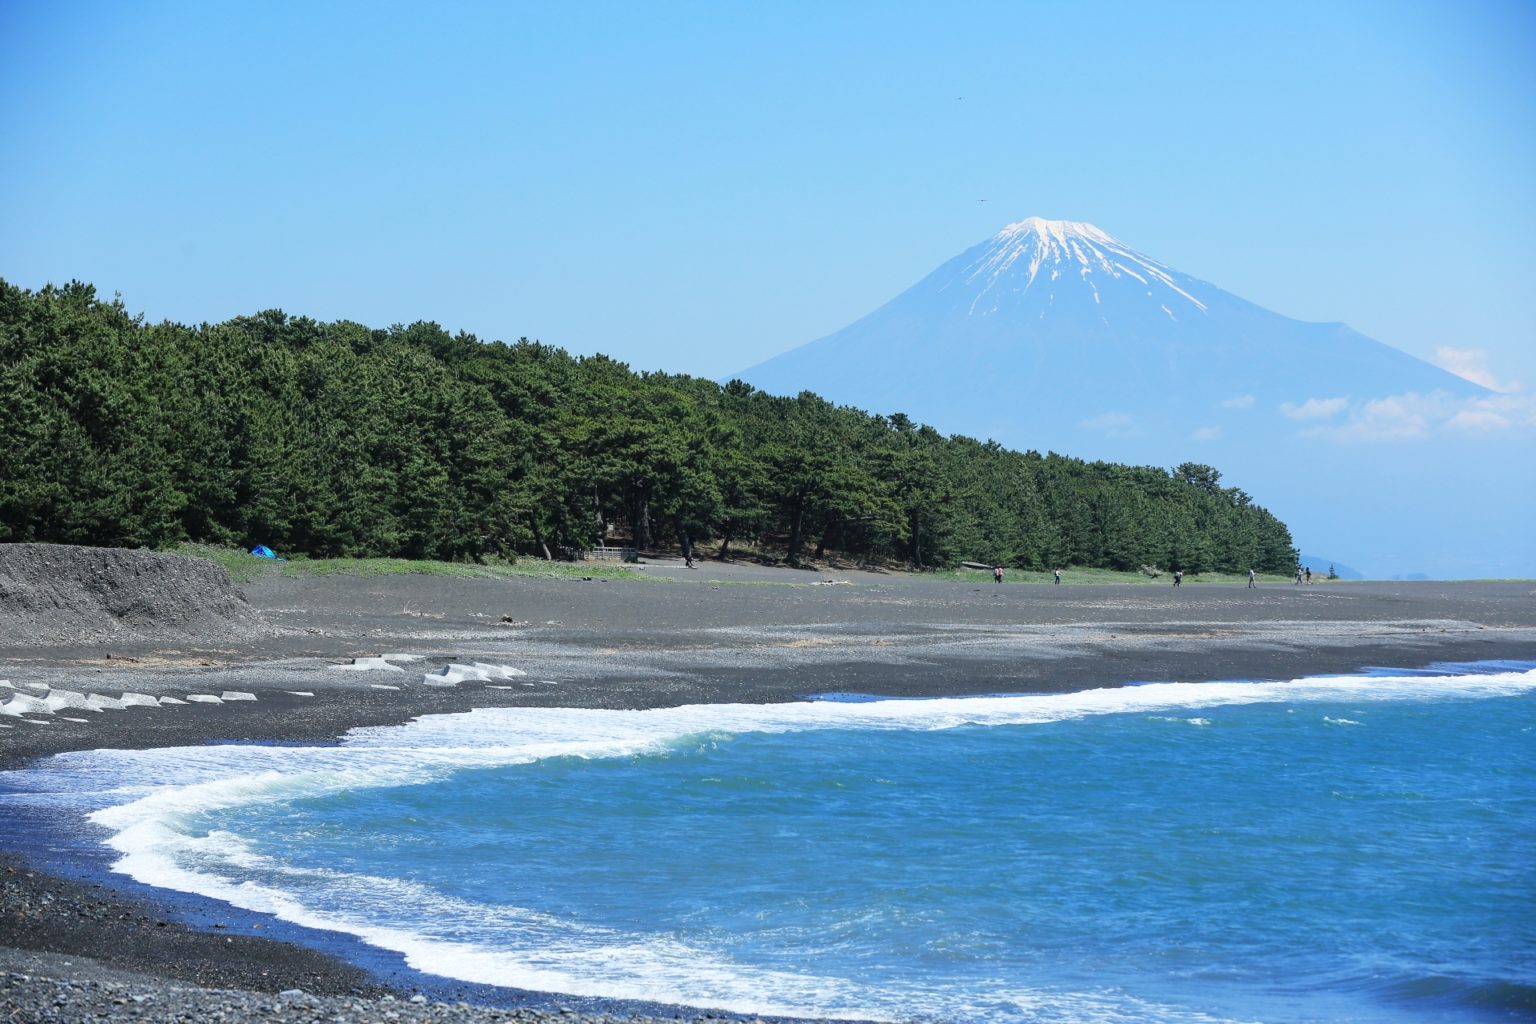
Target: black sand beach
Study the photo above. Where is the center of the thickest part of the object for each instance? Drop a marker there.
(722, 633)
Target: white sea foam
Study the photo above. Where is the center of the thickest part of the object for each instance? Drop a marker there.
(596, 733)
(149, 800)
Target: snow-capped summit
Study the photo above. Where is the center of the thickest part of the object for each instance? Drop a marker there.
(1060, 230)
(1014, 260)
(1040, 264)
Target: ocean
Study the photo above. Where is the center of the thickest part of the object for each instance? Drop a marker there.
(1350, 848)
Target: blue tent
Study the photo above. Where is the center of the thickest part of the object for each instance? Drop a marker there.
(262, 551)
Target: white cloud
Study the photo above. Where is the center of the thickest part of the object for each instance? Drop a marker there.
(1315, 408)
(1398, 416)
(1478, 419)
(1238, 402)
(1472, 364)
(1411, 416)
(1521, 408)
(1206, 434)
(1116, 424)
(1495, 412)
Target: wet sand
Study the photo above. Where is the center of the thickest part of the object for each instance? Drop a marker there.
(717, 634)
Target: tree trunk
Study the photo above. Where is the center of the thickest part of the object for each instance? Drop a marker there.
(917, 544)
(642, 526)
(725, 542)
(796, 531)
(538, 536)
(832, 536)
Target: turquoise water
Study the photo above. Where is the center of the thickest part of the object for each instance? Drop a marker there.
(1355, 848)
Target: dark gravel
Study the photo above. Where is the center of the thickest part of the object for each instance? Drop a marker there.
(54, 996)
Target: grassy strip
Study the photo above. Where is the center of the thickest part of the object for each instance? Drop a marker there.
(243, 567)
(1081, 576)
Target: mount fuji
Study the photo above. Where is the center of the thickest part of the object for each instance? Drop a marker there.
(1053, 335)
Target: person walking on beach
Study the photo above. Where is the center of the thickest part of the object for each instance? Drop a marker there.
(1298, 577)
(997, 575)
(1057, 574)
(1251, 584)
(1178, 577)
(1309, 575)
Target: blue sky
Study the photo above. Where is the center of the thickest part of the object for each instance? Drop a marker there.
(698, 187)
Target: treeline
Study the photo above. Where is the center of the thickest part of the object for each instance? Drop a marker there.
(338, 439)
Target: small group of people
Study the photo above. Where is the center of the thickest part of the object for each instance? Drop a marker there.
(997, 574)
(1178, 578)
(1303, 572)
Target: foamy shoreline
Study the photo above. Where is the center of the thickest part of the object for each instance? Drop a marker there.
(627, 645)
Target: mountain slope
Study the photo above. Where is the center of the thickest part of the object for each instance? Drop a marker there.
(1059, 315)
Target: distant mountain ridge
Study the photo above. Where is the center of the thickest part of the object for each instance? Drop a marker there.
(1053, 335)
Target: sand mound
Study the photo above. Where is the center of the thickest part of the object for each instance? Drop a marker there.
(55, 594)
